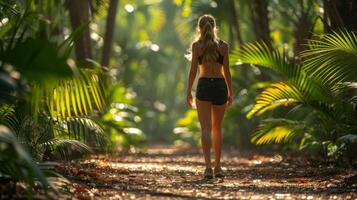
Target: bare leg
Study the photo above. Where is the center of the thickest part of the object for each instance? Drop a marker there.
(204, 116)
(217, 117)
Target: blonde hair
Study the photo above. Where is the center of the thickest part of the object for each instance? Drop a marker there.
(207, 34)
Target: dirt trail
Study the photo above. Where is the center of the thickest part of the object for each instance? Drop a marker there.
(171, 173)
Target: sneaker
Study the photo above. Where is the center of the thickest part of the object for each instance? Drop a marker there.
(218, 173)
(208, 174)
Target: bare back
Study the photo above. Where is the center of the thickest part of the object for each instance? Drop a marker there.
(212, 69)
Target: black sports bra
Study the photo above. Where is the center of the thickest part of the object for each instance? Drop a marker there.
(219, 58)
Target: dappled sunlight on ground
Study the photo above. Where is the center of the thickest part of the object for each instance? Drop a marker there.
(168, 172)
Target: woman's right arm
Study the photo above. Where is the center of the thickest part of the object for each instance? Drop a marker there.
(192, 74)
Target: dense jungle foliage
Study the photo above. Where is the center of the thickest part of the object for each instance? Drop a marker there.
(98, 76)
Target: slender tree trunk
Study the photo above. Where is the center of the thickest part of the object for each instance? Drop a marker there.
(340, 14)
(302, 32)
(231, 37)
(236, 27)
(235, 22)
(260, 20)
(109, 32)
(79, 12)
(325, 16)
(304, 25)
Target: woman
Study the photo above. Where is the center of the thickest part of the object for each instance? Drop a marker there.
(214, 88)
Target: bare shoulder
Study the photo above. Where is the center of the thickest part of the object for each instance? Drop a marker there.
(224, 45)
(195, 44)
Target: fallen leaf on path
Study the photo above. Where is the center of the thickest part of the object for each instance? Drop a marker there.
(302, 181)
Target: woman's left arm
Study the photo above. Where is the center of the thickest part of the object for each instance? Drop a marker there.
(227, 73)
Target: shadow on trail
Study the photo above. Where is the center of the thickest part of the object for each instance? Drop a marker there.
(171, 174)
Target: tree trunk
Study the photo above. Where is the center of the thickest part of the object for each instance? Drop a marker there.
(79, 12)
(302, 32)
(236, 27)
(235, 22)
(109, 32)
(304, 25)
(260, 20)
(340, 14)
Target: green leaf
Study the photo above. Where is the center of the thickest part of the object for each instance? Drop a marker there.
(278, 94)
(75, 97)
(65, 147)
(38, 60)
(17, 163)
(277, 131)
(332, 58)
(260, 54)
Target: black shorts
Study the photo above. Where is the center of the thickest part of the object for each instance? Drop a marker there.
(213, 90)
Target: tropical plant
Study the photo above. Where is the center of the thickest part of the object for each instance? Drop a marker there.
(50, 103)
(321, 111)
(63, 101)
(120, 120)
(47, 138)
(187, 129)
(16, 163)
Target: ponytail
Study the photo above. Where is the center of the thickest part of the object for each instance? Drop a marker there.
(208, 37)
(207, 34)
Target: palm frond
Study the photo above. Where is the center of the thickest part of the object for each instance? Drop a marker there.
(75, 97)
(347, 91)
(38, 137)
(332, 58)
(277, 131)
(82, 129)
(278, 94)
(8, 117)
(65, 148)
(16, 162)
(260, 54)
